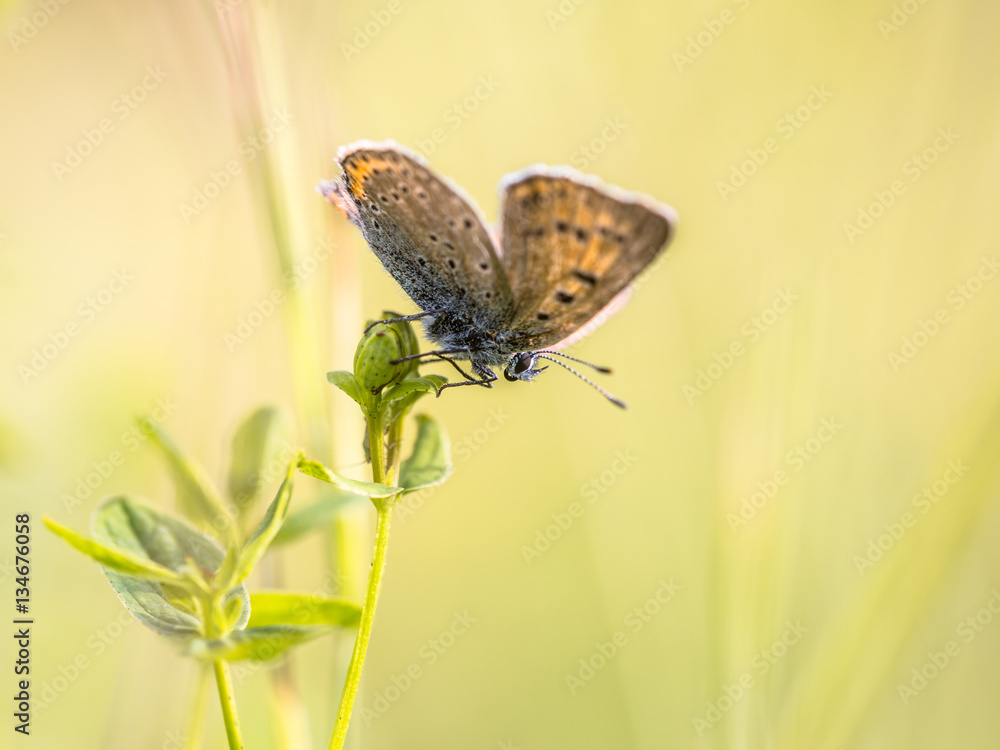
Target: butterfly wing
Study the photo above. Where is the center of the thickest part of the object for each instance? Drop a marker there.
(611, 309)
(570, 246)
(426, 234)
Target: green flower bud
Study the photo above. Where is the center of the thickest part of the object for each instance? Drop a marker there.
(375, 351)
(410, 344)
(384, 343)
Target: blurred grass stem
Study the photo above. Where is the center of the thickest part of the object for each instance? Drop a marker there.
(197, 709)
(381, 473)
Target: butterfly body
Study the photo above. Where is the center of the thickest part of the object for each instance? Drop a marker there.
(485, 344)
(568, 246)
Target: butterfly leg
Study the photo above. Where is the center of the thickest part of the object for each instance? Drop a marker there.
(436, 353)
(486, 377)
(402, 319)
(454, 364)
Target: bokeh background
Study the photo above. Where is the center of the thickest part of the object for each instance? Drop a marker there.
(822, 332)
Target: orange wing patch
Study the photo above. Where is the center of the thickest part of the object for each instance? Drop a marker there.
(360, 167)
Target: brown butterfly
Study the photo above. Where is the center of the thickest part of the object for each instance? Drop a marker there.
(568, 248)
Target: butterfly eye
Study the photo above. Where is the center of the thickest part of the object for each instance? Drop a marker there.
(518, 365)
(522, 362)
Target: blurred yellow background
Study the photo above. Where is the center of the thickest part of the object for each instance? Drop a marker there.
(779, 545)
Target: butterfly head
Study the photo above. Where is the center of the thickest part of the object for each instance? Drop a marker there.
(522, 367)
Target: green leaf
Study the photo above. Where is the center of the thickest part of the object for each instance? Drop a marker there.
(430, 462)
(346, 382)
(225, 576)
(315, 516)
(111, 558)
(142, 530)
(233, 613)
(164, 609)
(369, 489)
(173, 544)
(287, 608)
(259, 644)
(197, 497)
(428, 384)
(258, 543)
(403, 402)
(256, 445)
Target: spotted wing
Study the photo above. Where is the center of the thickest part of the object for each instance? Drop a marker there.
(570, 245)
(427, 235)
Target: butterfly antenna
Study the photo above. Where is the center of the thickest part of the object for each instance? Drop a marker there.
(605, 370)
(584, 378)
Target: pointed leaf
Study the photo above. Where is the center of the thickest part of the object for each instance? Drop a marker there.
(256, 445)
(401, 405)
(369, 489)
(346, 382)
(162, 608)
(236, 617)
(142, 530)
(258, 543)
(170, 542)
(315, 516)
(428, 384)
(197, 497)
(259, 644)
(114, 559)
(288, 608)
(225, 576)
(430, 462)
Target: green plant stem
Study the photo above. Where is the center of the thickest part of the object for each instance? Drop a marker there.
(228, 704)
(214, 622)
(364, 632)
(393, 440)
(376, 440)
(376, 443)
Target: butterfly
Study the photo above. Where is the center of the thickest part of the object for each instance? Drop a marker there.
(567, 250)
